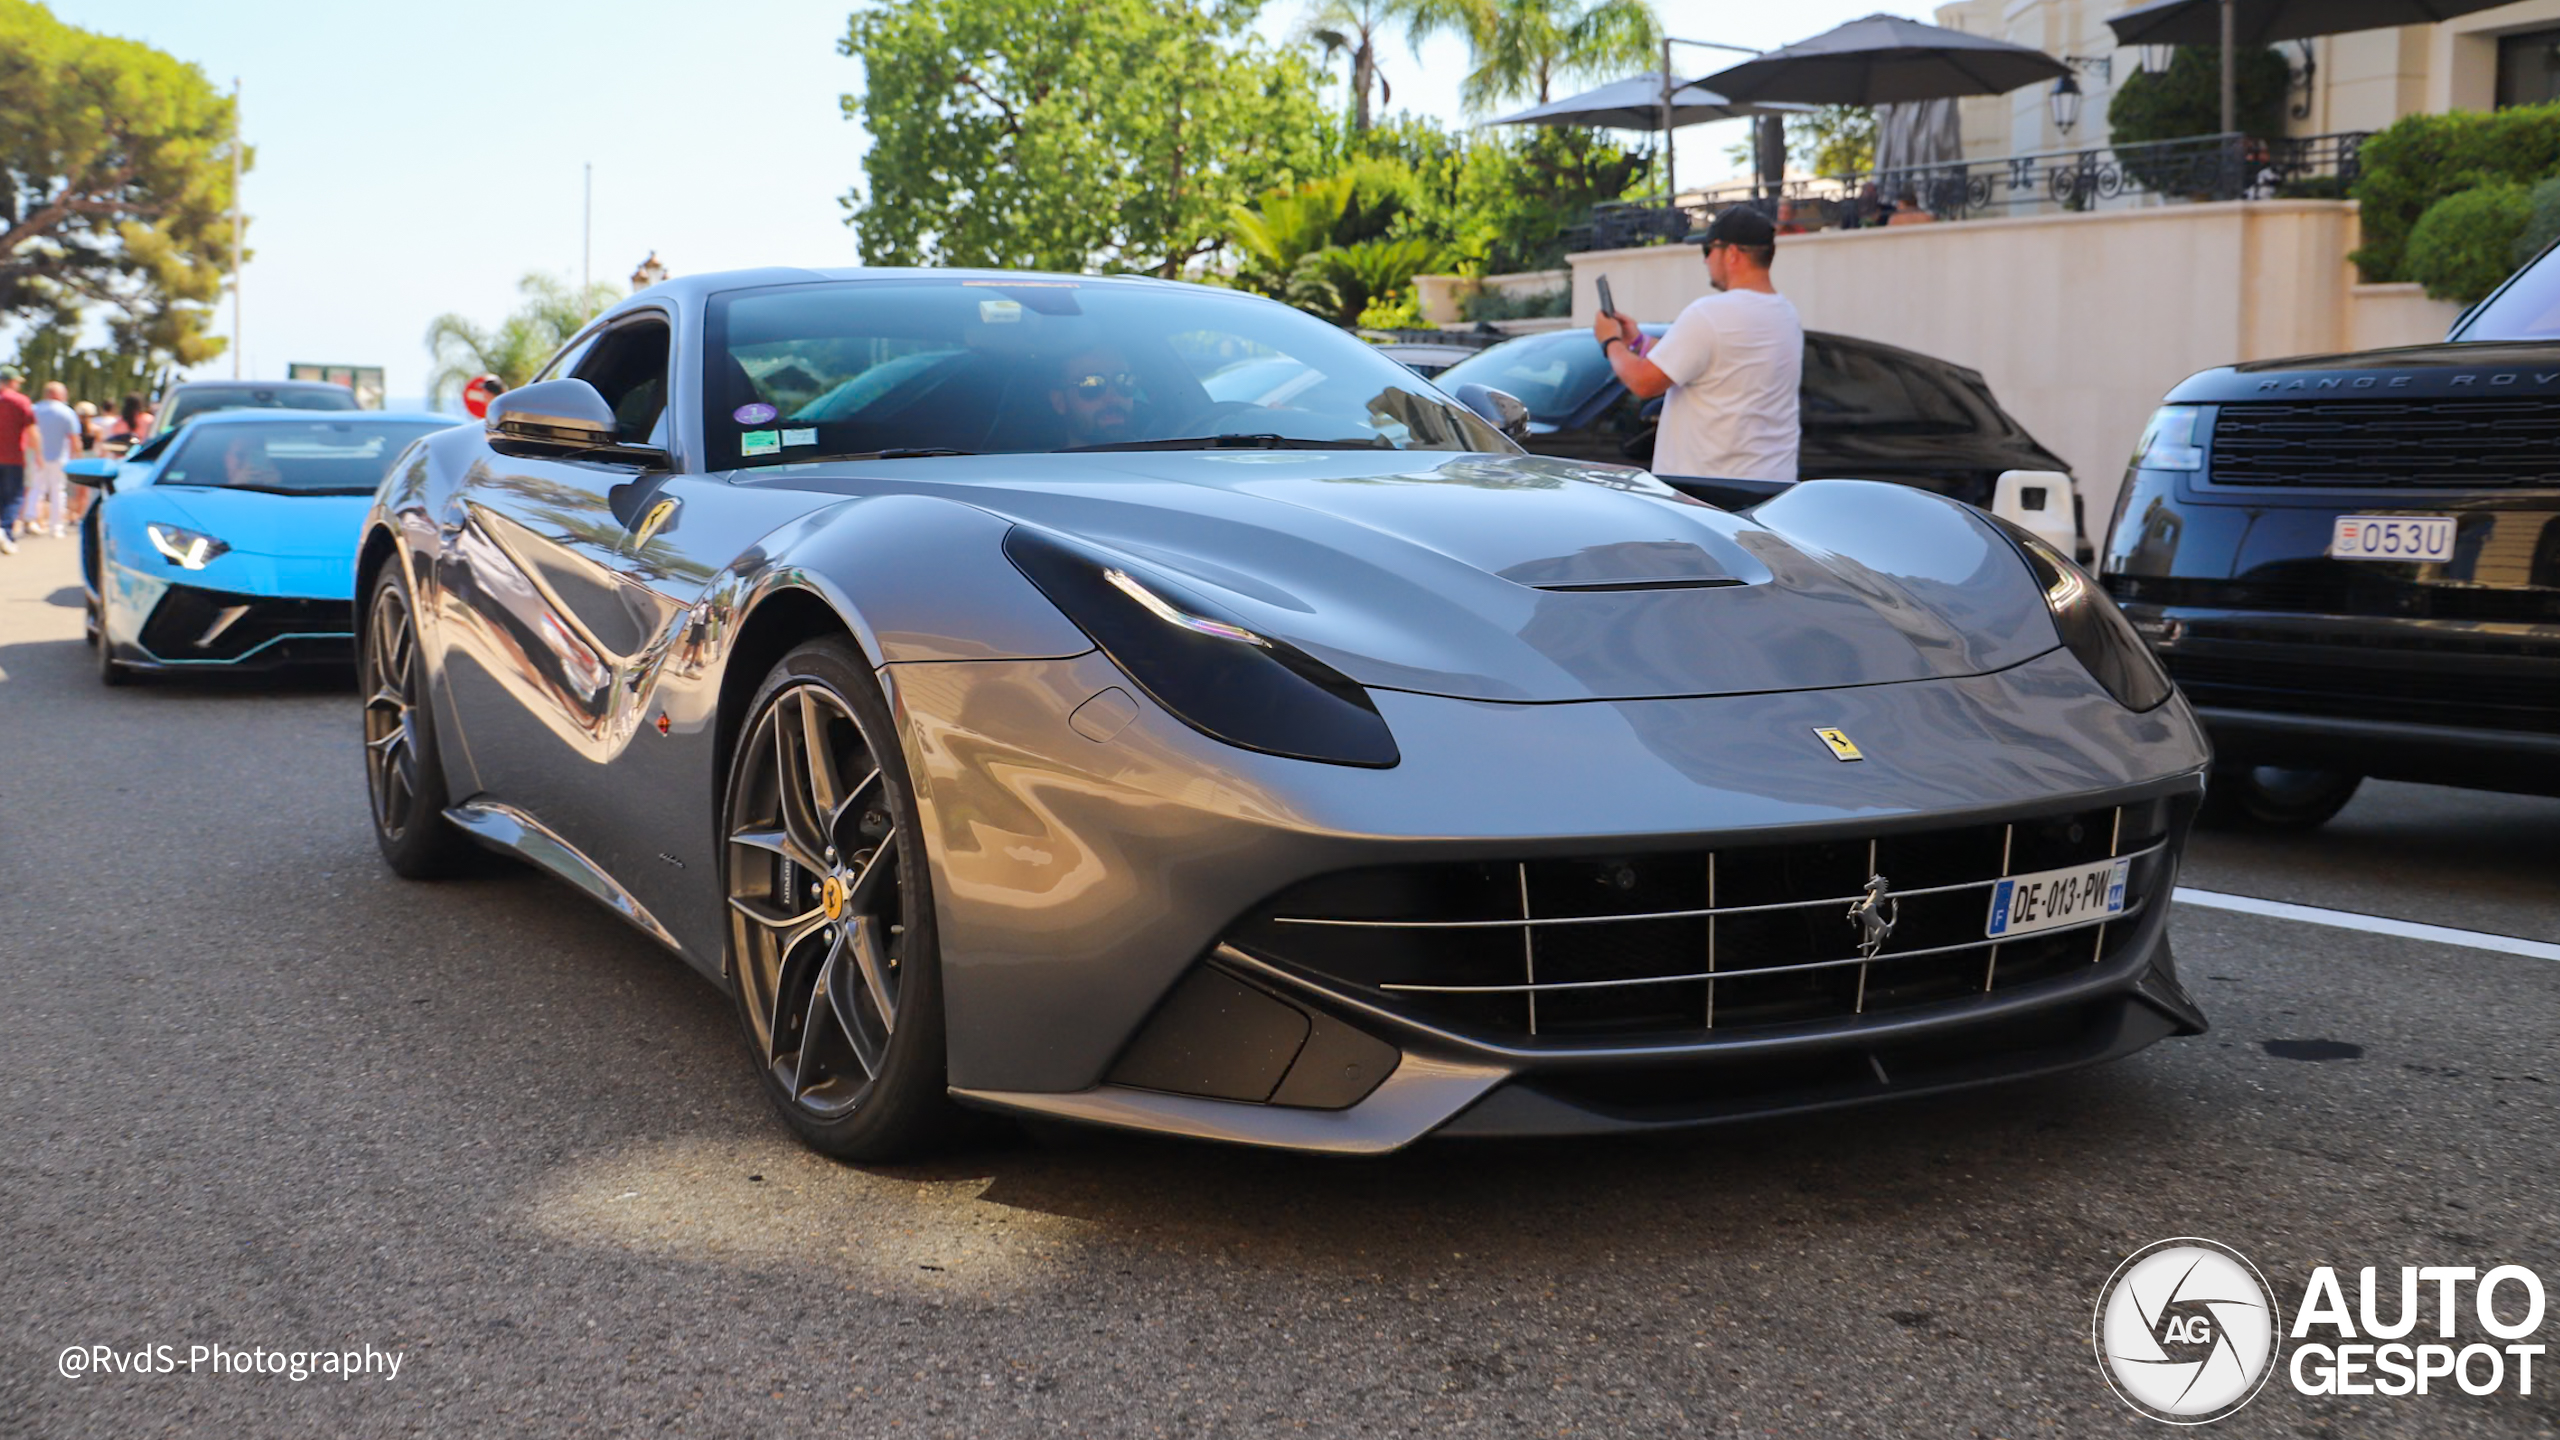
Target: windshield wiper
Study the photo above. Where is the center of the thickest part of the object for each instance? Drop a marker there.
(1232, 442)
(902, 452)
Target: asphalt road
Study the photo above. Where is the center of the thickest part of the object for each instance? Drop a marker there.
(255, 1091)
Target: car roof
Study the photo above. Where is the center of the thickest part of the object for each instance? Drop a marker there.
(258, 414)
(692, 289)
(186, 385)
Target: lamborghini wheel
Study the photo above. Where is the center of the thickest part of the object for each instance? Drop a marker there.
(403, 775)
(831, 937)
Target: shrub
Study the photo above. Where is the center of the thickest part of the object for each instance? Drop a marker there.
(2185, 100)
(2466, 243)
(2422, 159)
(1478, 305)
(2544, 226)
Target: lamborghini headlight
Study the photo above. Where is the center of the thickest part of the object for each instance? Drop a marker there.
(2092, 628)
(1208, 669)
(188, 549)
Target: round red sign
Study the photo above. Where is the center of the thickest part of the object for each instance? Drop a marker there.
(477, 395)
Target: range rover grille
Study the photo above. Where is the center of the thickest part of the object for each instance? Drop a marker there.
(2433, 444)
(1684, 944)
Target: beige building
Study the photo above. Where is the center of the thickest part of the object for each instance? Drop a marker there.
(2360, 81)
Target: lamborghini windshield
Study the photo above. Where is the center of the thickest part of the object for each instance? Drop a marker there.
(292, 457)
(986, 366)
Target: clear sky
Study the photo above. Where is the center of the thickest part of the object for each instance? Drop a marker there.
(417, 159)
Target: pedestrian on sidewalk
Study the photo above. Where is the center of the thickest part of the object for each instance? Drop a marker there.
(48, 507)
(17, 431)
(1731, 363)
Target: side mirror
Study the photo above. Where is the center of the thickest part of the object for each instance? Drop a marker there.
(1499, 408)
(553, 416)
(98, 473)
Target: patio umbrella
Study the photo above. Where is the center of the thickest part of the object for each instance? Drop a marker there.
(1634, 103)
(2264, 22)
(1884, 59)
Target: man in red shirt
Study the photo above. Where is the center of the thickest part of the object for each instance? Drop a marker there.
(17, 431)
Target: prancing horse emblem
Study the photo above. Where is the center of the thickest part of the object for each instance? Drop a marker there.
(1874, 914)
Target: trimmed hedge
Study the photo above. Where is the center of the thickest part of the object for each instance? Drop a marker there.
(2422, 159)
(2545, 225)
(2466, 243)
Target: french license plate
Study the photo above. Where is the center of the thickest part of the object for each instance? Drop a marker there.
(2423, 538)
(2051, 899)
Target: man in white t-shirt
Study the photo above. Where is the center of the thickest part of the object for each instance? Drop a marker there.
(1731, 363)
(56, 440)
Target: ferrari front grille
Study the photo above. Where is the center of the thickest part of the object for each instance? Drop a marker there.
(1659, 946)
(2498, 443)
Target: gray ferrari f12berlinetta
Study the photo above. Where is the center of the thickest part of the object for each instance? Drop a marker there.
(1143, 704)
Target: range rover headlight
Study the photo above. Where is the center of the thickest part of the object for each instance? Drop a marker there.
(1206, 667)
(187, 549)
(2092, 628)
(2169, 442)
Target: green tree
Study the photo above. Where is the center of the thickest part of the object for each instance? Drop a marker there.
(515, 347)
(1354, 27)
(115, 185)
(1523, 47)
(1114, 134)
(1514, 199)
(2186, 99)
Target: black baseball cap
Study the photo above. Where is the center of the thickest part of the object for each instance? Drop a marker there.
(1738, 225)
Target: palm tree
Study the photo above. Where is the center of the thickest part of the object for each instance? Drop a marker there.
(1353, 27)
(1522, 47)
(515, 348)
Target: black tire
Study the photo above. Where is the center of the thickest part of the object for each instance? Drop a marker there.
(110, 673)
(832, 957)
(404, 774)
(2267, 797)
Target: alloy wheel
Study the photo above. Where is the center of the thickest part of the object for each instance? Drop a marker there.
(816, 881)
(390, 710)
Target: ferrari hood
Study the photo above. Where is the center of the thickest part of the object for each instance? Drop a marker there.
(259, 522)
(1524, 578)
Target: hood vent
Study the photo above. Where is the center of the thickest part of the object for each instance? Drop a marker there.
(1687, 583)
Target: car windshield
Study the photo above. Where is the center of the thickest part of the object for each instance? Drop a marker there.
(986, 366)
(292, 457)
(196, 400)
(2528, 309)
(1553, 374)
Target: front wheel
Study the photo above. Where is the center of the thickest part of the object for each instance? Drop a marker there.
(831, 935)
(2269, 797)
(403, 775)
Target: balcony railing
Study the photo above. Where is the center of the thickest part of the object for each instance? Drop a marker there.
(2204, 167)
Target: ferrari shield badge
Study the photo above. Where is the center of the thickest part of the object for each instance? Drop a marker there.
(1842, 747)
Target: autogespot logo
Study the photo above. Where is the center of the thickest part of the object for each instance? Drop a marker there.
(2186, 1331)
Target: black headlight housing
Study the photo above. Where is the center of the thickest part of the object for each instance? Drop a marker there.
(1202, 665)
(2092, 628)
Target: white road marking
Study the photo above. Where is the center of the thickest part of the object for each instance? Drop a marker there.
(2372, 924)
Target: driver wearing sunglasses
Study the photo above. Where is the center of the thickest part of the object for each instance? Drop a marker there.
(1098, 396)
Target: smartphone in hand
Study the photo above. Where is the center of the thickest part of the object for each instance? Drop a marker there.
(1608, 305)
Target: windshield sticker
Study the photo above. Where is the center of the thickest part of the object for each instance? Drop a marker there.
(801, 437)
(1000, 312)
(759, 442)
(755, 414)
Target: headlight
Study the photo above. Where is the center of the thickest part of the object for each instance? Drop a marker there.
(2092, 628)
(189, 549)
(2169, 441)
(1213, 673)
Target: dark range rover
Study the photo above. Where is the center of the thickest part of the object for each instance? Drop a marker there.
(2351, 563)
